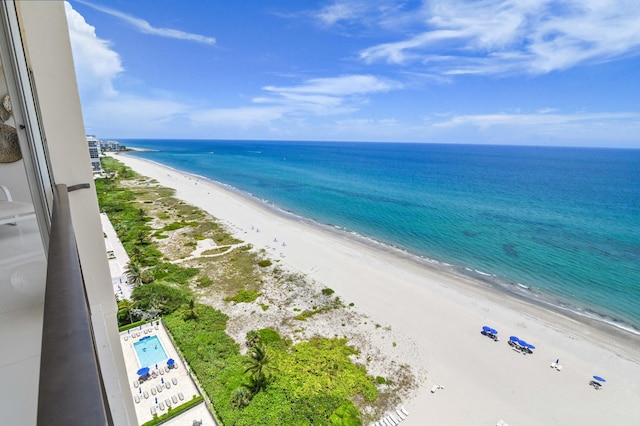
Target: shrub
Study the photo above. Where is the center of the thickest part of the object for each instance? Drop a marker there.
(243, 296)
(241, 398)
(173, 273)
(264, 263)
(160, 295)
(173, 412)
(327, 291)
(346, 415)
(204, 281)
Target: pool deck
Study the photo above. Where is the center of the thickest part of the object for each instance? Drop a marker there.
(166, 385)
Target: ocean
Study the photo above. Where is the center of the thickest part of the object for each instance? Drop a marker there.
(557, 225)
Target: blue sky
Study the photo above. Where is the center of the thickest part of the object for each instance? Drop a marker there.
(527, 72)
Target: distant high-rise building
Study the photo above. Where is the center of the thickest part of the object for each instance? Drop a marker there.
(94, 153)
(109, 146)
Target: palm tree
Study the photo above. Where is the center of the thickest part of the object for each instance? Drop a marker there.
(125, 306)
(192, 312)
(259, 368)
(134, 272)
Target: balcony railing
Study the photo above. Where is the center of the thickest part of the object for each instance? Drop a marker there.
(71, 390)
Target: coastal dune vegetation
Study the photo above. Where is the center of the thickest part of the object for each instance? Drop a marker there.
(244, 325)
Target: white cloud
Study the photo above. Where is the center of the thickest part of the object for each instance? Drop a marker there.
(96, 64)
(582, 128)
(339, 11)
(485, 121)
(340, 86)
(515, 36)
(146, 28)
(331, 95)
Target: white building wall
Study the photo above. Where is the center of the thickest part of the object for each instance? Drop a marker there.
(46, 36)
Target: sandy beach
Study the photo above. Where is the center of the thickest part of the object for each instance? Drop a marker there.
(441, 316)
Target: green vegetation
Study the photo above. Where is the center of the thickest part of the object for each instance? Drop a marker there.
(264, 263)
(216, 250)
(204, 281)
(173, 412)
(327, 291)
(173, 273)
(132, 325)
(311, 383)
(160, 296)
(128, 219)
(308, 314)
(243, 296)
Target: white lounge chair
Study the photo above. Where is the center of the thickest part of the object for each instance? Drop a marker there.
(181, 396)
(404, 411)
(167, 384)
(146, 395)
(136, 398)
(174, 380)
(11, 211)
(153, 410)
(161, 405)
(168, 402)
(558, 367)
(159, 388)
(174, 399)
(135, 384)
(435, 388)
(153, 391)
(553, 365)
(402, 416)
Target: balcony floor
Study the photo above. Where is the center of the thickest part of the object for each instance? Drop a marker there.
(22, 284)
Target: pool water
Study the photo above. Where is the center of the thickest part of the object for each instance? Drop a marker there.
(149, 351)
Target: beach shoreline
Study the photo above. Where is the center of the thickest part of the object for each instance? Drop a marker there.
(443, 312)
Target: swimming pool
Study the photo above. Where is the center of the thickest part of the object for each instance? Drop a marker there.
(149, 351)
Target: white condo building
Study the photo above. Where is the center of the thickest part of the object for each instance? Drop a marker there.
(94, 153)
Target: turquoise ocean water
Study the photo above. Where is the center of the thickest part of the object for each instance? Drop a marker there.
(556, 224)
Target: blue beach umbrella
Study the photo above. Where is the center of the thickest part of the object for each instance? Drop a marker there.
(486, 328)
(600, 379)
(514, 339)
(493, 331)
(143, 371)
(530, 346)
(171, 361)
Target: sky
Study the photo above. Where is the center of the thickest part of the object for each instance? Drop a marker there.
(520, 72)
